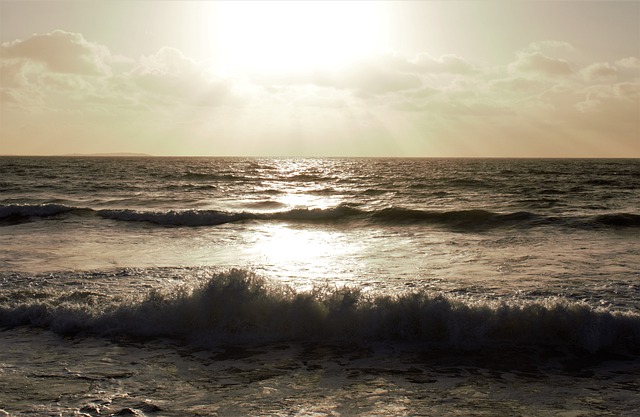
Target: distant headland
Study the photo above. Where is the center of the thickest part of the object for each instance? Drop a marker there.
(110, 154)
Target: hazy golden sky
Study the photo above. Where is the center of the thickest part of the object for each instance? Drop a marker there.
(539, 79)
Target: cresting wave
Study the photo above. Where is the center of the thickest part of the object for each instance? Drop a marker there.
(238, 306)
(17, 211)
(459, 220)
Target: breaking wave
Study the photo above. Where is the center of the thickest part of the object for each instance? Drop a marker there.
(33, 210)
(16, 213)
(619, 220)
(459, 220)
(238, 306)
(174, 218)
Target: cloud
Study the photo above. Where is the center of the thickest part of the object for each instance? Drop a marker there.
(628, 69)
(370, 77)
(60, 51)
(56, 71)
(79, 88)
(631, 62)
(377, 76)
(622, 70)
(551, 47)
(60, 71)
(623, 97)
(169, 73)
(450, 64)
(600, 71)
(12, 74)
(516, 85)
(539, 63)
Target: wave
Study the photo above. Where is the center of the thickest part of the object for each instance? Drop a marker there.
(618, 220)
(17, 213)
(469, 219)
(206, 176)
(37, 210)
(265, 205)
(251, 177)
(214, 217)
(174, 218)
(467, 183)
(460, 220)
(457, 220)
(238, 306)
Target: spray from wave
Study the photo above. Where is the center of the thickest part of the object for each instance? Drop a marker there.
(239, 306)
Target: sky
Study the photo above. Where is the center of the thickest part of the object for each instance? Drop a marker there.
(397, 79)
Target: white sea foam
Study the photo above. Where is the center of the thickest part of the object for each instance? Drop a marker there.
(239, 306)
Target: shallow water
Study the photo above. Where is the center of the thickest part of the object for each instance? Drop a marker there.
(63, 376)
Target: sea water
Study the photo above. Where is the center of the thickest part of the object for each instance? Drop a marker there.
(307, 286)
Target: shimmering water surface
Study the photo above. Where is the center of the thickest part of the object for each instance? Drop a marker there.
(203, 286)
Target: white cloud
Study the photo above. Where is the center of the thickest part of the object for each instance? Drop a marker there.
(552, 47)
(539, 63)
(60, 51)
(600, 71)
(374, 77)
(169, 73)
(61, 70)
(12, 74)
(451, 64)
(365, 78)
(628, 69)
(517, 85)
(603, 98)
(631, 62)
(90, 91)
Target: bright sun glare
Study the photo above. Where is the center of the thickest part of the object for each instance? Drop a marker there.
(287, 36)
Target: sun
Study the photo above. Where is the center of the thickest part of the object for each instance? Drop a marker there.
(289, 36)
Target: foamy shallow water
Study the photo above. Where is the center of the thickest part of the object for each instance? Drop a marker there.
(152, 286)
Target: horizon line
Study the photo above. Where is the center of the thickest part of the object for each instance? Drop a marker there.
(147, 155)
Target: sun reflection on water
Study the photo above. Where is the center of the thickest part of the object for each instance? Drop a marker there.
(305, 257)
(292, 200)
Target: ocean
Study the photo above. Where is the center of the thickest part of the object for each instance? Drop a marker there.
(154, 286)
